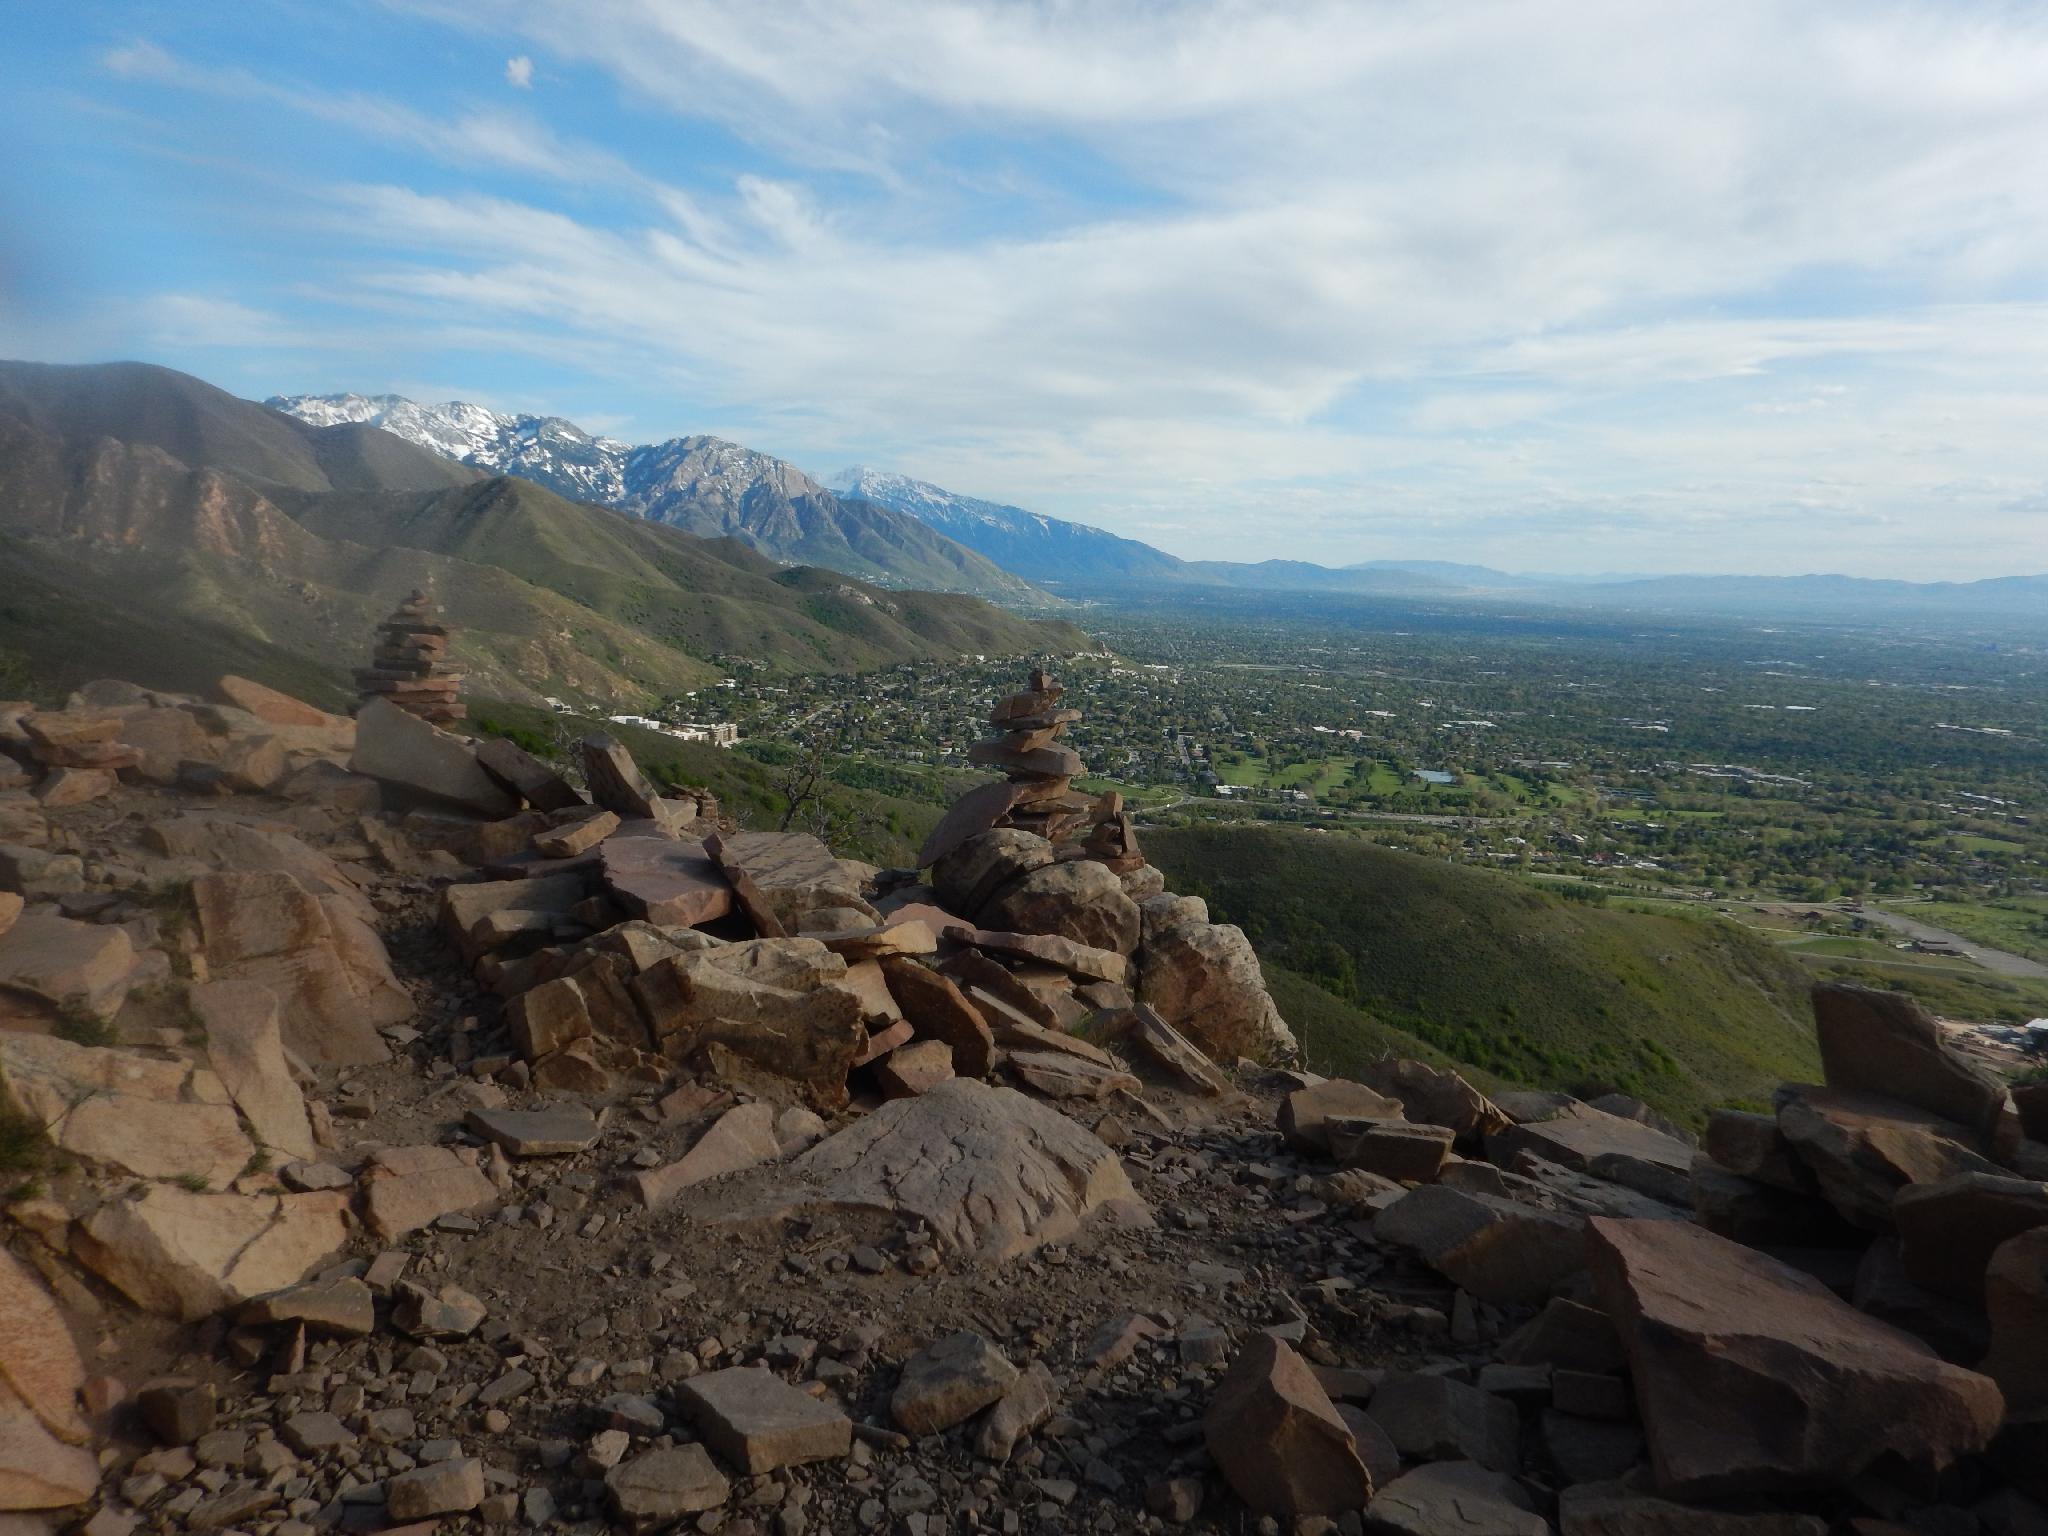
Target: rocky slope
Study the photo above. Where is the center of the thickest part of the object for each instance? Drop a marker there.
(406, 1132)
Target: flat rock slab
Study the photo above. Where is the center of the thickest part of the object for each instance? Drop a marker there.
(669, 883)
(740, 1138)
(1453, 1498)
(345, 1307)
(759, 1422)
(536, 1132)
(1583, 1137)
(406, 1188)
(188, 1255)
(1280, 1442)
(401, 749)
(949, 1382)
(991, 1172)
(657, 1489)
(39, 1362)
(1754, 1377)
(54, 958)
(1498, 1249)
(1081, 960)
(973, 813)
(1305, 1114)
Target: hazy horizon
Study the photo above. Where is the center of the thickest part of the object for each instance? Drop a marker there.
(1750, 288)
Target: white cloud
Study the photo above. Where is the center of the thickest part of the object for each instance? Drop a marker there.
(519, 72)
(1400, 275)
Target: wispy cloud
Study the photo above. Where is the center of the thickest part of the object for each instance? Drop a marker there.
(1588, 269)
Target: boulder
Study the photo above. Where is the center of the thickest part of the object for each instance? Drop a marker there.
(616, 782)
(39, 1362)
(760, 1423)
(937, 1010)
(796, 876)
(402, 750)
(1078, 900)
(575, 837)
(1586, 1140)
(1205, 981)
(1453, 1498)
(1751, 1146)
(407, 1188)
(62, 787)
(1430, 1417)
(1863, 1149)
(2016, 1302)
(1885, 1043)
(519, 773)
(1306, 1114)
(1752, 1376)
(1499, 1250)
(245, 1047)
(266, 927)
(187, 1255)
(991, 1172)
(663, 881)
(1026, 1403)
(1393, 1149)
(51, 960)
(969, 874)
(654, 1490)
(37, 1470)
(450, 1487)
(275, 708)
(1277, 1438)
(972, 814)
(740, 1138)
(1949, 1230)
(1434, 1096)
(774, 1003)
(915, 1068)
(948, 1383)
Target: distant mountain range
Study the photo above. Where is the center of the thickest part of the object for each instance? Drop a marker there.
(157, 528)
(702, 485)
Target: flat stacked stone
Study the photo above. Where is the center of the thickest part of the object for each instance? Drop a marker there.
(410, 665)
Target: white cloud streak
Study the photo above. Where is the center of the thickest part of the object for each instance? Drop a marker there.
(1396, 274)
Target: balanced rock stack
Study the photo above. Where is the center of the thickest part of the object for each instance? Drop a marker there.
(410, 665)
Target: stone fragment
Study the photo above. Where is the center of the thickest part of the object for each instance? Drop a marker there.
(37, 1470)
(1277, 1438)
(1393, 1149)
(315, 1433)
(579, 836)
(1078, 900)
(938, 1010)
(796, 876)
(178, 1409)
(1305, 1114)
(1499, 1250)
(988, 1170)
(1433, 1418)
(1585, 1140)
(1025, 1405)
(973, 813)
(519, 773)
(1434, 1096)
(1949, 1230)
(1885, 1043)
(615, 780)
(948, 1382)
(188, 1255)
(245, 1046)
(1453, 1498)
(55, 960)
(407, 1188)
(740, 1138)
(1063, 1075)
(1753, 1377)
(1204, 980)
(664, 881)
(449, 1313)
(39, 1362)
(535, 1132)
(915, 1068)
(1080, 961)
(400, 749)
(275, 708)
(1863, 1149)
(2016, 1302)
(655, 1490)
(62, 787)
(345, 1307)
(760, 1423)
(1168, 1048)
(440, 1488)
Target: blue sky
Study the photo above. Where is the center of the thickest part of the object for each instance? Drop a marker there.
(1591, 285)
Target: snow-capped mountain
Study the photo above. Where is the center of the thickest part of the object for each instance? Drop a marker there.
(544, 449)
(703, 485)
(1045, 549)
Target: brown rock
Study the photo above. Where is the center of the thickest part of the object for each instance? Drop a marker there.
(56, 960)
(439, 1488)
(1752, 1376)
(1394, 1149)
(1060, 1075)
(1433, 1096)
(1077, 960)
(188, 1255)
(1453, 1498)
(988, 1170)
(1499, 1250)
(579, 836)
(1752, 1147)
(972, 814)
(1620, 1509)
(913, 1069)
(1204, 980)
(1077, 900)
(2016, 1301)
(1305, 1114)
(1863, 1149)
(38, 1471)
(760, 1423)
(245, 1046)
(39, 1362)
(937, 1010)
(1278, 1439)
(345, 1307)
(400, 749)
(10, 908)
(1949, 1230)
(549, 1017)
(75, 786)
(666, 882)
(615, 780)
(948, 1382)
(1433, 1418)
(971, 873)
(655, 1490)
(407, 1188)
(276, 708)
(521, 774)
(1026, 1403)
(740, 1138)
(1885, 1043)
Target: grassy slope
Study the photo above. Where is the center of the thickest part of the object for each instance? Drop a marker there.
(1509, 979)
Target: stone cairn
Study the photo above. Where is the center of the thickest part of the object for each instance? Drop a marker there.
(410, 665)
(1039, 796)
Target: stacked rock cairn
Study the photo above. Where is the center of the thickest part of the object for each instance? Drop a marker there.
(1041, 772)
(410, 665)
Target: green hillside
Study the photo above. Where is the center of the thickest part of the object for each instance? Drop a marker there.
(1373, 949)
